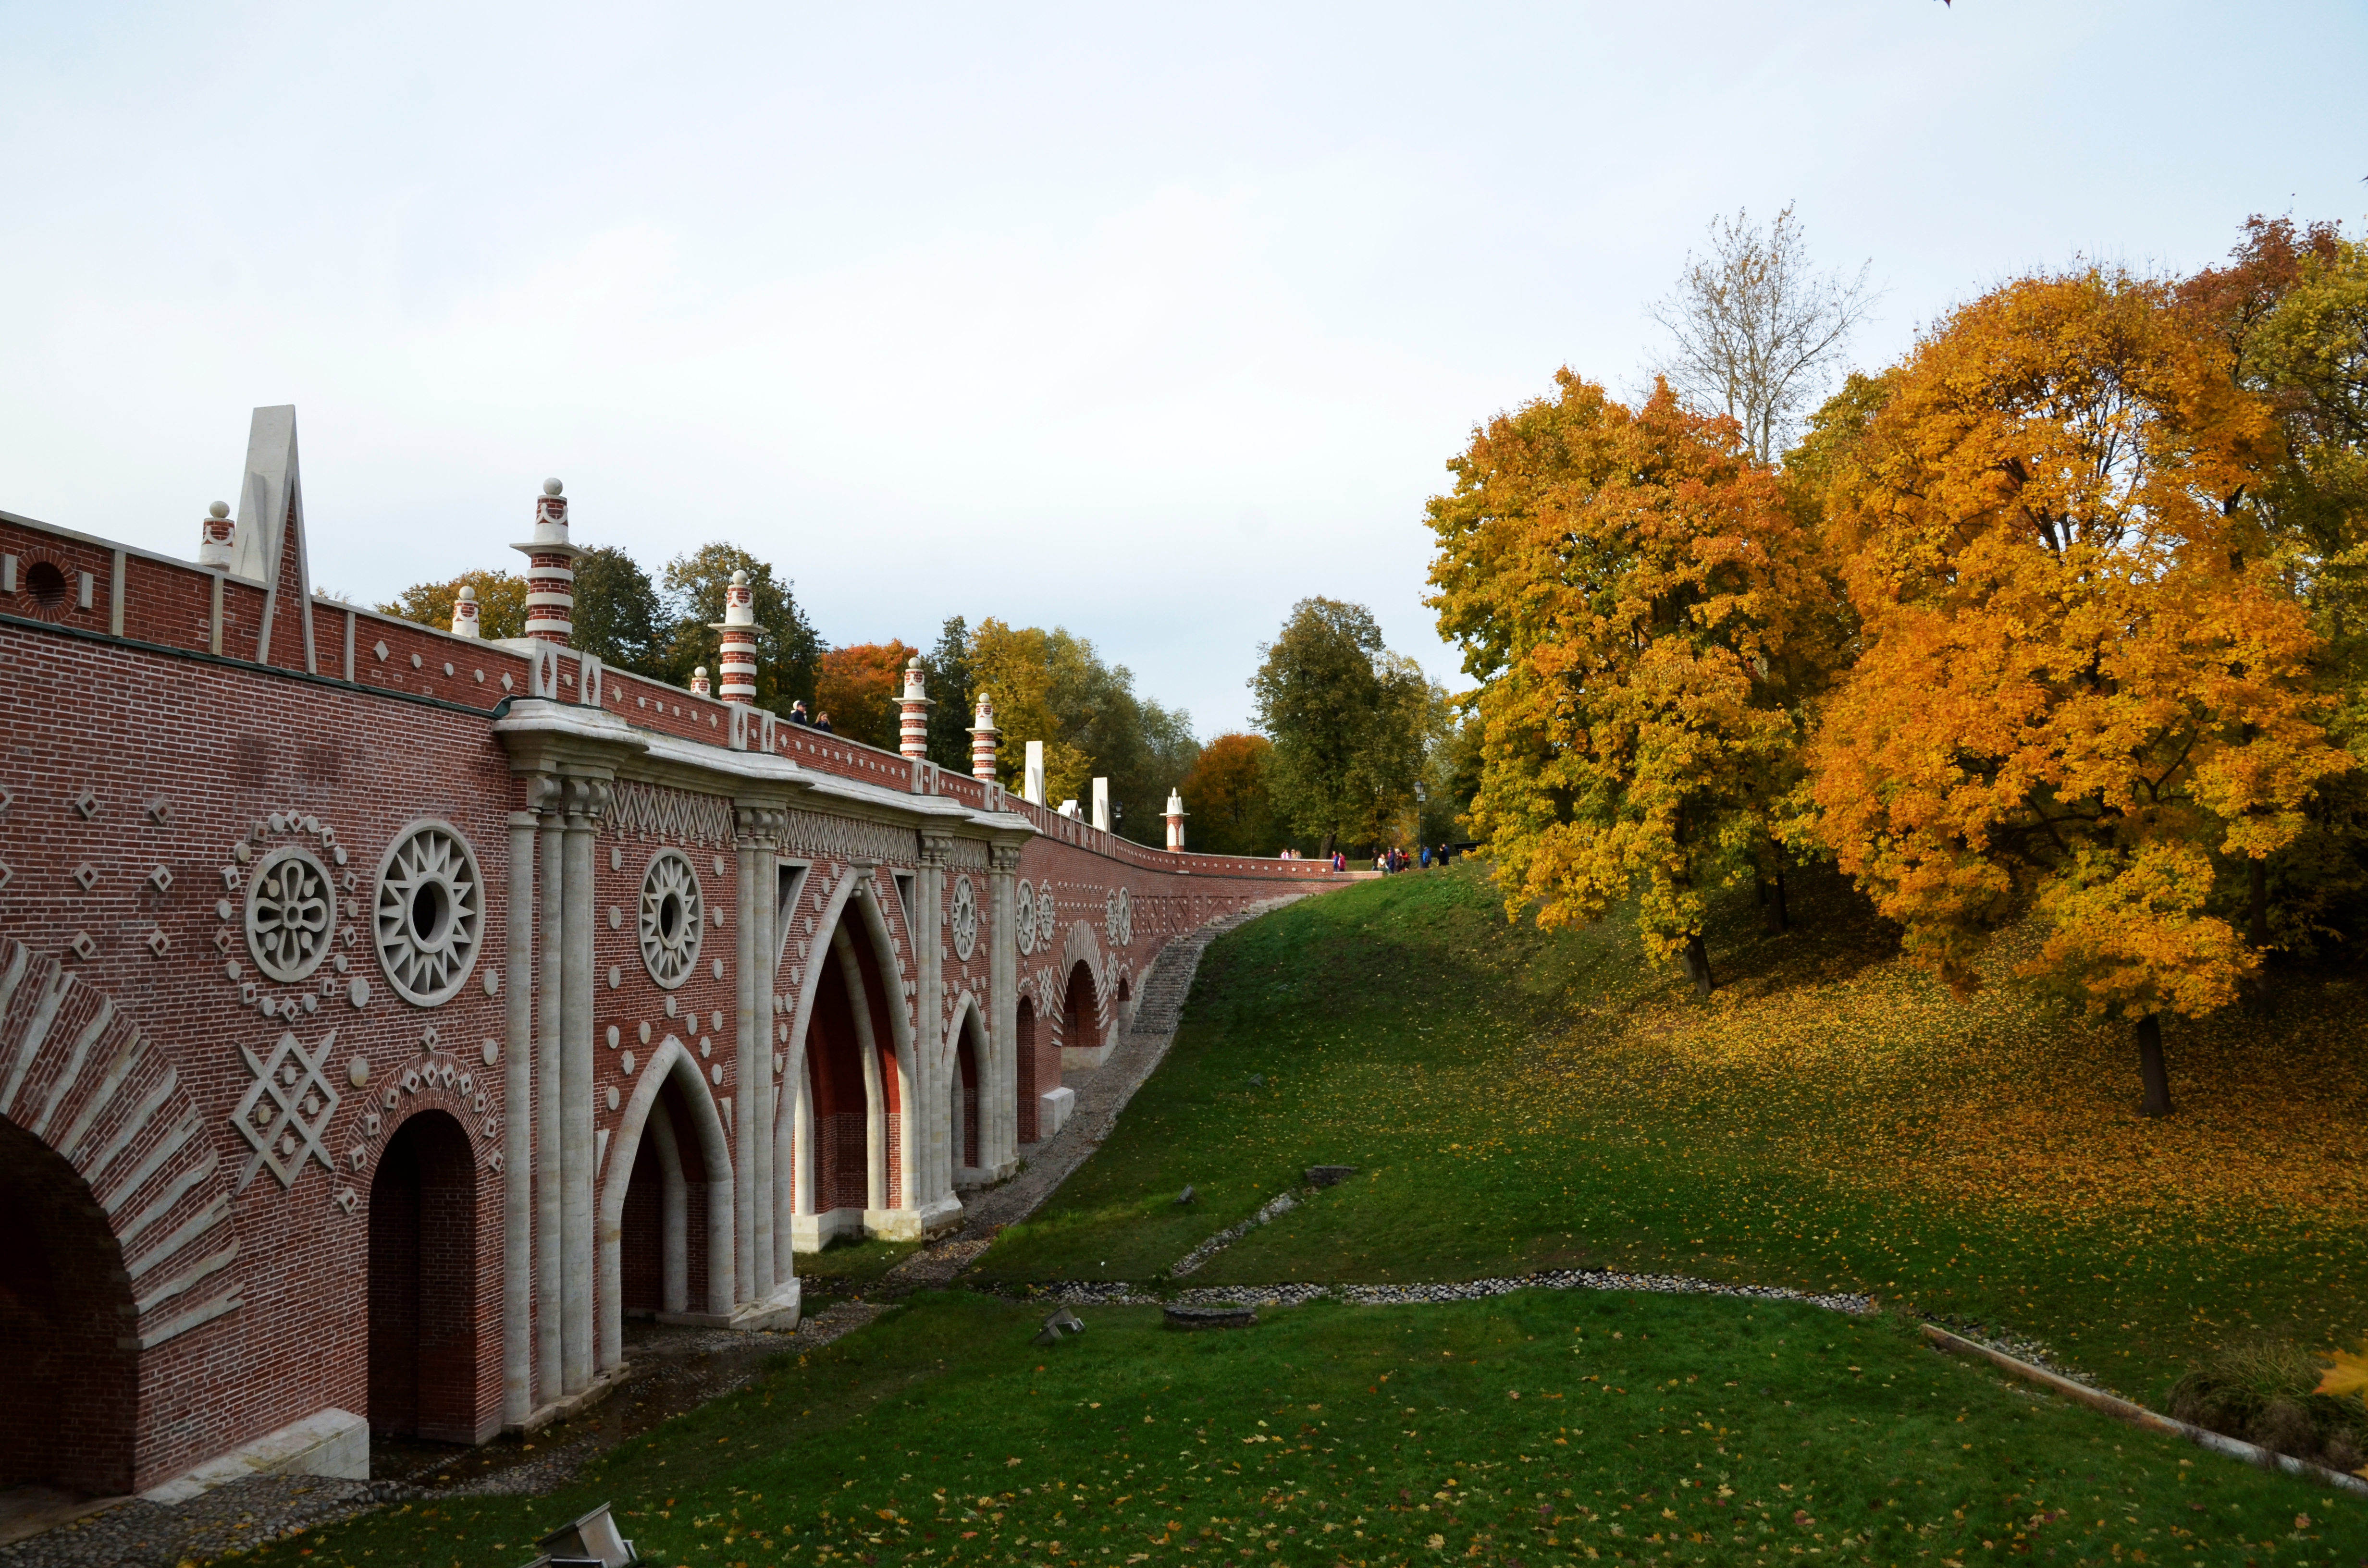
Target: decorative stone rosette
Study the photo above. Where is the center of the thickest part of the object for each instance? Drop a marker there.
(430, 914)
(961, 915)
(285, 890)
(1024, 917)
(673, 918)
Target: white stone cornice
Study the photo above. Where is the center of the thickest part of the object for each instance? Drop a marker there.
(544, 736)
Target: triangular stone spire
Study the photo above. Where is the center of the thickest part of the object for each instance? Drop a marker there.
(269, 547)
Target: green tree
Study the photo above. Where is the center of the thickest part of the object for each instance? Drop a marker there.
(1352, 724)
(1228, 809)
(619, 616)
(501, 603)
(948, 664)
(1054, 687)
(789, 653)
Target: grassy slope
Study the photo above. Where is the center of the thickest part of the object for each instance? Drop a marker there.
(1519, 1100)
(1544, 1428)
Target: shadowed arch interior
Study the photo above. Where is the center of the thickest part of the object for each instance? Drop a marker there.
(423, 1273)
(662, 1254)
(1077, 1031)
(1025, 1088)
(69, 1404)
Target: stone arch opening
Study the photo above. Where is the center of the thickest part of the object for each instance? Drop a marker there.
(846, 1147)
(662, 1256)
(69, 1403)
(1025, 1088)
(673, 1119)
(423, 1309)
(1077, 1022)
(963, 1102)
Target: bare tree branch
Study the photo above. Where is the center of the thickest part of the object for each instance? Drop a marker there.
(1755, 330)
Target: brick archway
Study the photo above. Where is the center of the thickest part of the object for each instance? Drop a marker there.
(423, 1282)
(69, 1403)
(1025, 1083)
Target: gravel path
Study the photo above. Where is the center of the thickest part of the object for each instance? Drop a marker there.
(1100, 1098)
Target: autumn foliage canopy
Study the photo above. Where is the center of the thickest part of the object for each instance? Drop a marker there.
(2034, 622)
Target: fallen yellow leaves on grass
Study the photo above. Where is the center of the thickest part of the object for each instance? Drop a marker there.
(1880, 1080)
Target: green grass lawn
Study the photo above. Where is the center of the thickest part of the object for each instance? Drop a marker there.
(1541, 1428)
(1518, 1099)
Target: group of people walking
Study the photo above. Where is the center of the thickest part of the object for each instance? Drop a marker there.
(1388, 861)
(819, 721)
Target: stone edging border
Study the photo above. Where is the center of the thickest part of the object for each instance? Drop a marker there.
(1116, 1292)
(2139, 1415)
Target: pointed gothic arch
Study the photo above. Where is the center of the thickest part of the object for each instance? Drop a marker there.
(849, 1072)
(671, 1065)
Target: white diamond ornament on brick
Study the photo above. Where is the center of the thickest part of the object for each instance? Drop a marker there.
(286, 1110)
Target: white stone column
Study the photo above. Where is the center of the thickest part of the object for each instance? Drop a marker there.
(998, 1086)
(674, 1218)
(928, 1181)
(577, 1175)
(743, 1067)
(764, 950)
(551, 989)
(517, 1134)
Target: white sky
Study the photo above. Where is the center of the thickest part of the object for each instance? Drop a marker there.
(1143, 322)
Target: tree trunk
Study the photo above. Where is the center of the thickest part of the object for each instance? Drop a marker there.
(1329, 839)
(1780, 919)
(2257, 933)
(1698, 966)
(2151, 1071)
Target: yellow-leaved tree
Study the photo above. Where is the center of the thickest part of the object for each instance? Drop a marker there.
(2080, 676)
(1637, 602)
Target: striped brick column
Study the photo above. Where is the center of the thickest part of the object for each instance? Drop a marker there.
(215, 536)
(914, 740)
(982, 742)
(549, 568)
(737, 634)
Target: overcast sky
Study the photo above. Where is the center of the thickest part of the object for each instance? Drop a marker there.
(1145, 322)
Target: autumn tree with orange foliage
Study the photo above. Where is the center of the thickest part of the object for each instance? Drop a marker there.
(856, 686)
(1633, 595)
(1230, 810)
(2080, 676)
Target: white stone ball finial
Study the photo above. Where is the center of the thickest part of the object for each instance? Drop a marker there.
(468, 593)
(552, 487)
(739, 579)
(218, 510)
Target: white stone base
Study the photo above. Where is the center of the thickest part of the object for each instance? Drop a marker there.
(1053, 1108)
(330, 1442)
(778, 1310)
(913, 1225)
(812, 1232)
(604, 1382)
(1076, 1059)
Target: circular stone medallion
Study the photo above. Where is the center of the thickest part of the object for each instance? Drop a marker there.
(673, 918)
(291, 910)
(430, 913)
